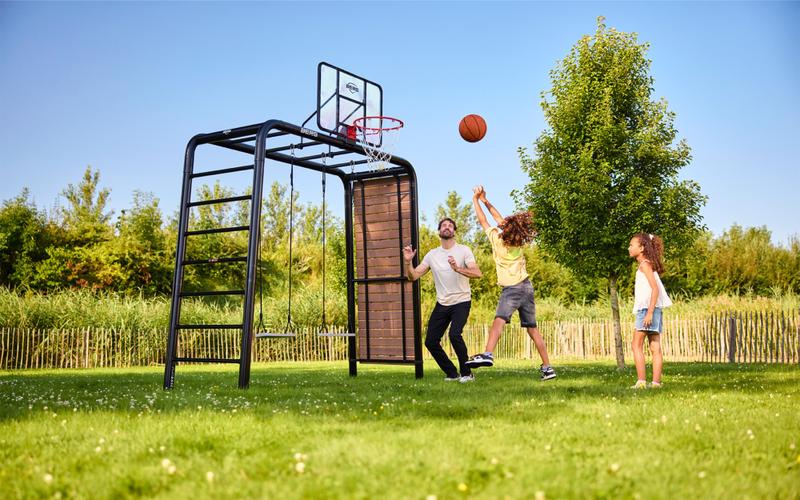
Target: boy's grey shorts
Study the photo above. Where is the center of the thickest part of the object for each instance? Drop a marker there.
(518, 297)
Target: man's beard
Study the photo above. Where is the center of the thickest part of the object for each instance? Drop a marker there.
(444, 236)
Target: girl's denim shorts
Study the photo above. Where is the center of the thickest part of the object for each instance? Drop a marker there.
(655, 327)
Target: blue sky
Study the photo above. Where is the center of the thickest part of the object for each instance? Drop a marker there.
(123, 86)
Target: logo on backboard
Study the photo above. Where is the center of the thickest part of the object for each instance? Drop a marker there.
(352, 87)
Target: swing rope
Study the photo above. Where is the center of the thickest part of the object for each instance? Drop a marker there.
(323, 331)
(287, 331)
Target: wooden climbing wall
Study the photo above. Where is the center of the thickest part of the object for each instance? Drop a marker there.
(382, 227)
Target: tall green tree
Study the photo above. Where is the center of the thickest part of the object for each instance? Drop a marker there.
(86, 219)
(24, 237)
(141, 247)
(745, 260)
(607, 166)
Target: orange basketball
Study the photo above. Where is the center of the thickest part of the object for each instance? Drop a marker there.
(472, 128)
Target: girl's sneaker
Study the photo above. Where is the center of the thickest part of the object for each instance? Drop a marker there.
(655, 385)
(640, 384)
(467, 378)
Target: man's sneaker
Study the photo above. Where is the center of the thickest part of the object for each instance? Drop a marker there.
(452, 379)
(640, 384)
(547, 372)
(655, 385)
(479, 360)
(467, 378)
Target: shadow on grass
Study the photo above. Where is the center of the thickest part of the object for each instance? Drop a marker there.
(386, 392)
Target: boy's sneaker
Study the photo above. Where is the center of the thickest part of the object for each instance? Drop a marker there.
(640, 384)
(467, 378)
(547, 372)
(655, 385)
(479, 360)
(452, 379)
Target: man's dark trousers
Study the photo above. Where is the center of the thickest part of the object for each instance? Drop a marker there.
(456, 316)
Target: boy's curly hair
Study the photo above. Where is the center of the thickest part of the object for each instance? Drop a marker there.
(653, 250)
(518, 229)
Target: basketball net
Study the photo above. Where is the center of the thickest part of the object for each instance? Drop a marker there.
(378, 136)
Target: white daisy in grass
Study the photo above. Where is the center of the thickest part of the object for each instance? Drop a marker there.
(47, 478)
(300, 467)
(539, 495)
(210, 476)
(614, 468)
(462, 487)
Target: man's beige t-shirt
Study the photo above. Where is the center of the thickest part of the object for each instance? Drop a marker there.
(509, 261)
(451, 287)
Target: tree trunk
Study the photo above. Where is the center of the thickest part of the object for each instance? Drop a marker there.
(617, 328)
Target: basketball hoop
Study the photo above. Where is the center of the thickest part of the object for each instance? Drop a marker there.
(378, 136)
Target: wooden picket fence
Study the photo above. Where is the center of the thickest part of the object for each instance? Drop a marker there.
(753, 337)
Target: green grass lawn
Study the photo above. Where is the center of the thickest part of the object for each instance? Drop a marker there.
(309, 430)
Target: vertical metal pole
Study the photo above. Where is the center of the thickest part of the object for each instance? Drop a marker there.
(402, 268)
(252, 255)
(351, 289)
(412, 192)
(732, 338)
(366, 265)
(177, 278)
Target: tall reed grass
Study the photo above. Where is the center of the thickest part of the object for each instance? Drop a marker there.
(78, 309)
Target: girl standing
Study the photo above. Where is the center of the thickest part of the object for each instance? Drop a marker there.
(650, 298)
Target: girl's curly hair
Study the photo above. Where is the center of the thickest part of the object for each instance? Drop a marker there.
(653, 250)
(518, 229)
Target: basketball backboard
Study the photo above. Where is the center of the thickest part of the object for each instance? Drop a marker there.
(342, 97)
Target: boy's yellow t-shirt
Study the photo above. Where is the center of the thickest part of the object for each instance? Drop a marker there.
(509, 261)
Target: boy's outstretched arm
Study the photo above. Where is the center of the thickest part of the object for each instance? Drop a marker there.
(493, 211)
(476, 193)
(495, 214)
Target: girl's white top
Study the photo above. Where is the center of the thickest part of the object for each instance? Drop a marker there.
(642, 293)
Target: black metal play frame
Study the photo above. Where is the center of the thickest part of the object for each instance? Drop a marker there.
(253, 140)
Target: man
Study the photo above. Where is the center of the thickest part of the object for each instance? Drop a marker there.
(452, 266)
